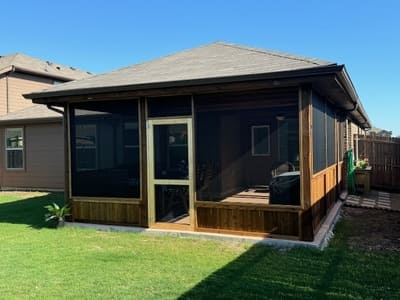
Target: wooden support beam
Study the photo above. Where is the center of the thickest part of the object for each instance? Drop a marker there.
(67, 184)
(306, 162)
(143, 156)
(306, 155)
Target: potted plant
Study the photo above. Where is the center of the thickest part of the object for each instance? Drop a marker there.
(362, 164)
(362, 176)
(57, 213)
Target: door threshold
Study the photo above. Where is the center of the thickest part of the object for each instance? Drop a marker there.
(172, 226)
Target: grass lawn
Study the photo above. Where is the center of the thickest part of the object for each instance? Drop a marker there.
(37, 262)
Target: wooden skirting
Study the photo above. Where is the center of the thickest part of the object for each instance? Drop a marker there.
(322, 183)
(323, 195)
(107, 212)
(251, 219)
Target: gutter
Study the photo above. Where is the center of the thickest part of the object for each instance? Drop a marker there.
(43, 74)
(347, 85)
(31, 121)
(57, 110)
(324, 70)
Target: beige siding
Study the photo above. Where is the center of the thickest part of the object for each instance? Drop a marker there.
(44, 158)
(19, 84)
(3, 95)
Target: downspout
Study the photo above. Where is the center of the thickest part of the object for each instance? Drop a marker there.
(55, 109)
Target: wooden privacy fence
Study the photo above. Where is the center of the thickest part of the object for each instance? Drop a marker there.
(383, 154)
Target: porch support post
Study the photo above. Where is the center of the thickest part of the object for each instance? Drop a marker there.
(143, 157)
(67, 160)
(306, 162)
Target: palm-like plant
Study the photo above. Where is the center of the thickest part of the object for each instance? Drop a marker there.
(57, 213)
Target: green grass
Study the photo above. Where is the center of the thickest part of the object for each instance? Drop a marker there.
(37, 262)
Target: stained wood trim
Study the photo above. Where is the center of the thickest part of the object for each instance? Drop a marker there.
(144, 171)
(172, 181)
(194, 183)
(107, 200)
(306, 148)
(247, 233)
(323, 172)
(267, 207)
(67, 134)
(151, 181)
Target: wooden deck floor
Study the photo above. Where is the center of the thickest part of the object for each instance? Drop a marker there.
(249, 196)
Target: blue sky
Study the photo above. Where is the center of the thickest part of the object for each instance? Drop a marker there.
(100, 36)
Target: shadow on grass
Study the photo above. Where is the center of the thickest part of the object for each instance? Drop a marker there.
(29, 211)
(337, 272)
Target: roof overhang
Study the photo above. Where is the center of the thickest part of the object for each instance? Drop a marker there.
(31, 121)
(332, 81)
(13, 68)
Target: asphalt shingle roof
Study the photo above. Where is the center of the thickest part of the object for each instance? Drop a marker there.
(46, 68)
(216, 60)
(33, 112)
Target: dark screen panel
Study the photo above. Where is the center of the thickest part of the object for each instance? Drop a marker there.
(169, 106)
(330, 130)
(319, 136)
(341, 139)
(289, 141)
(105, 156)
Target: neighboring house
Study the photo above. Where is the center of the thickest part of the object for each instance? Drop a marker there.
(220, 138)
(31, 136)
(375, 131)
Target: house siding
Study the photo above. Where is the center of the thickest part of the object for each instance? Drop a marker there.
(19, 84)
(3, 94)
(43, 153)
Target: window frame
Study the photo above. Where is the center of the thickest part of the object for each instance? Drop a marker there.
(15, 149)
(253, 127)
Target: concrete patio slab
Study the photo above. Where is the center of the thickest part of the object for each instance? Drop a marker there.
(376, 199)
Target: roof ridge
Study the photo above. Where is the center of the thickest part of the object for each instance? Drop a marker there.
(270, 52)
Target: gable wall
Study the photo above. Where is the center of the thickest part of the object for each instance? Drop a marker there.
(3, 95)
(19, 84)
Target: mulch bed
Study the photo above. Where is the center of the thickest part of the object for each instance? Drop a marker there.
(372, 229)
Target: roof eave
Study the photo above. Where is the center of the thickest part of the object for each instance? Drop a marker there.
(43, 74)
(6, 70)
(350, 89)
(31, 121)
(322, 70)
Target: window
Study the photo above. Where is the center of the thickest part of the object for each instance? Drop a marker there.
(15, 148)
(260, 140)
(105, 154)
